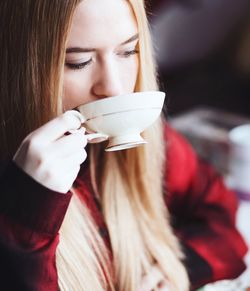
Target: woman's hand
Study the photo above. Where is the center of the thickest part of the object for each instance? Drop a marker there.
(52, 158)
(154, 280)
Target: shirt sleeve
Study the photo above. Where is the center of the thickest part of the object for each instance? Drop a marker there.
(30, 218)
(203, 214)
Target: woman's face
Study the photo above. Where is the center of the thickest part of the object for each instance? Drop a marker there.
(101, 57)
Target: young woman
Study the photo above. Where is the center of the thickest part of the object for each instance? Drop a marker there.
(71, 215)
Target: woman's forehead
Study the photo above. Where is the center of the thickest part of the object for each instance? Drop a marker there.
(102, 22)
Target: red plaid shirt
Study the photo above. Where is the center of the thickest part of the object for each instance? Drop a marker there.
(202, 209)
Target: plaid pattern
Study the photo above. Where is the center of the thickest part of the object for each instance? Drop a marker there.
(203, 214)
(202, 209)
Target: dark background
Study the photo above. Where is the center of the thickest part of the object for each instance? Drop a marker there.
(203, 53)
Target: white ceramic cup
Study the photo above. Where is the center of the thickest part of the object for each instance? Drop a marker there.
(239, 162)
(122, 118)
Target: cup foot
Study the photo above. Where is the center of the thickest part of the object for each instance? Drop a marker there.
(125, 142)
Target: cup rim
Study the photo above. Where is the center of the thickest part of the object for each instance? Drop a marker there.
(106, 99)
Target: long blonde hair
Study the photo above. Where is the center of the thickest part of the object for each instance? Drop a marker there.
(128, 183)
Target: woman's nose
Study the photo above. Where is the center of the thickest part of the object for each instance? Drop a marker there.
(108, 80)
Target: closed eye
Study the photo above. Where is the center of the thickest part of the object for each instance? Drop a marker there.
(128, 53)
(78, 66)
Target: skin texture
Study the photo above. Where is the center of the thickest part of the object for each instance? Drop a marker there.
(101, 61)
(111, 66)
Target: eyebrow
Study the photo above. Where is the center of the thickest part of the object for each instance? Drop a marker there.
(86, 50)
(133, 38)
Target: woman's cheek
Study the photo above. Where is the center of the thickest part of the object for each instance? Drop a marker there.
(76, 90)
(132, 74)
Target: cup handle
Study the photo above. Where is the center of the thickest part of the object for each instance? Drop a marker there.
(92, 137)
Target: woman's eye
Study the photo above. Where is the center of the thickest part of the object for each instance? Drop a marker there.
(78, 66)
(129, 53)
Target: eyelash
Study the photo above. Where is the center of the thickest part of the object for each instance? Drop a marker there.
(79, 66)
(127, 54)
(83, 65)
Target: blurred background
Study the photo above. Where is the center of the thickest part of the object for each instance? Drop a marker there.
(202, 48)
(203, 53)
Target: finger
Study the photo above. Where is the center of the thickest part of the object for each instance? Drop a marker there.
(67, 145)
(76, 159)
(57, 127)
(72, 131)
(64, 164)
(152, 279)
(63, 181)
